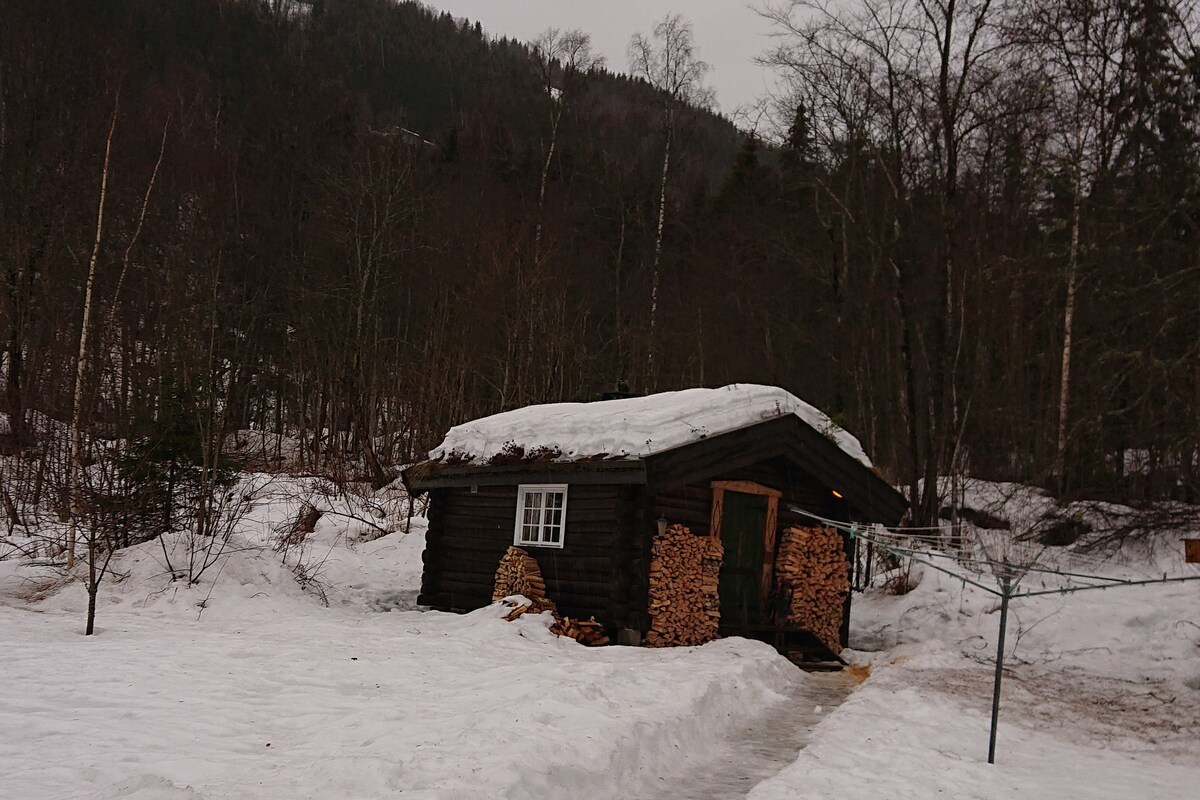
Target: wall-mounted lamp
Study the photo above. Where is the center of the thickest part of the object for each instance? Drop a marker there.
(662, 525)
(837, 494)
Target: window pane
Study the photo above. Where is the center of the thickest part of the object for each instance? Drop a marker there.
(541, 519)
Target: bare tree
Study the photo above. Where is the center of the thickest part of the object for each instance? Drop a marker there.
(909, 82)
(1079, 44)
(85, 327)
(667, 60)
(563, 60)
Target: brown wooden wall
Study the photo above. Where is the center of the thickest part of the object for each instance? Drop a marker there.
(691, 504)
(587, 577)
(603, 569)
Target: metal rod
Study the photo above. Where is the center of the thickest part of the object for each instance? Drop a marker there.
(957, 576)
(1116, 584)
(857, 562)
(999, 670)
(870, 557)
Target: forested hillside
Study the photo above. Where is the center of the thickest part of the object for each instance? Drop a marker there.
(357, 222)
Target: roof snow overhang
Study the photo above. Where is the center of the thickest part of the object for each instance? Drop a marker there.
(869, 496)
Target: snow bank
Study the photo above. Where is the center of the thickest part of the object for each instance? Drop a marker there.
(363, 554)
(253, 683)
(336, 703)
(918, 729)
(634, 427)
(1134, 633)
(1101, 692)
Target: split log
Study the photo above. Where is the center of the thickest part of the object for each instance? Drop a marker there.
(519, 574)
(684, 573)
(812, 571)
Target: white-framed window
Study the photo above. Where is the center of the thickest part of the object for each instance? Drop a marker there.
(541, 514)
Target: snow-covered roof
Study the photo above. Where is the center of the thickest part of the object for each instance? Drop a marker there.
(635, 427)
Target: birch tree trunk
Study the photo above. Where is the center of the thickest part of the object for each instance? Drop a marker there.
(541, 207)
(651, 366)
(1064, 389)
(74, 468)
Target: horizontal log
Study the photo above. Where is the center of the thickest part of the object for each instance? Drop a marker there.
(461, 585)
(457, 524)
(578, 587)
(696, 503)
(685, 495)
(580, 525)
(560, 561)
(492, 502)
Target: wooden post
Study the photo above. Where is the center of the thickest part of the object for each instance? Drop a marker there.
(1191, 551)
(766, 581)
(718, 510)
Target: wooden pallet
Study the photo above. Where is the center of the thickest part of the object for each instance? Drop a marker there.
(798, 645)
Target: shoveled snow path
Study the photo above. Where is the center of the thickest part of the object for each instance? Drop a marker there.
(761, 748)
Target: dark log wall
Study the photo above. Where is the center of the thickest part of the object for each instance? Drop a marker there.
(603, 569)
(587, 577)
(691, 504)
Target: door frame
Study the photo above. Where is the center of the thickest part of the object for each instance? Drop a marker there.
(719, 488)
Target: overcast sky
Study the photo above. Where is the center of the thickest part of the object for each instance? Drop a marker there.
(728, 32)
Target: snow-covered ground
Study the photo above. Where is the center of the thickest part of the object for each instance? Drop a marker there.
(306, 671)
(246, 685)
(1101, 692)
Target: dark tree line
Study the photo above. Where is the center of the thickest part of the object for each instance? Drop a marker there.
(1011, 192)
(354, 223)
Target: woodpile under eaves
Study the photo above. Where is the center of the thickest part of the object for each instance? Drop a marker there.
(812, 568)
(519, 574)
(685, 570)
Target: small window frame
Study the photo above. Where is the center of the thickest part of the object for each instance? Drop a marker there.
(519, 524)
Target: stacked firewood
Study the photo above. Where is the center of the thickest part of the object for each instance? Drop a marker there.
(812, 566)
(519, 574)
(587, 632)
(684, 574)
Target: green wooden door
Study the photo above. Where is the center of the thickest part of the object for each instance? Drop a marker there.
(744, 518)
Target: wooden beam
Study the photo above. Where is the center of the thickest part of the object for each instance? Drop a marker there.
(718, 508)
(747, 487)
(429, 475)
(767, 580)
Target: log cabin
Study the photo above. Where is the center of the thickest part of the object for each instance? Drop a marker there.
(600, 493)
